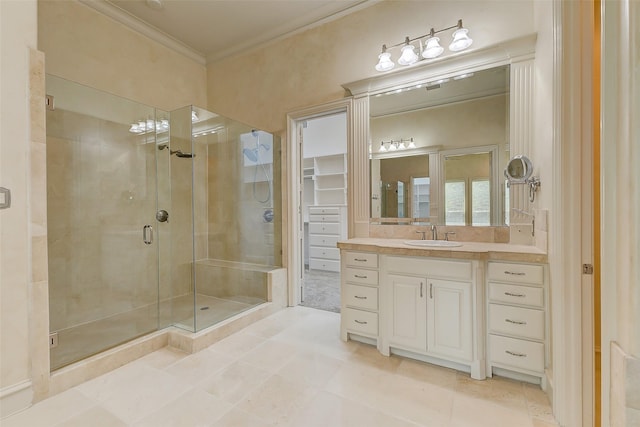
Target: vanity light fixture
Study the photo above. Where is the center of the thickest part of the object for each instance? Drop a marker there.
(393, 145)
(432, 48)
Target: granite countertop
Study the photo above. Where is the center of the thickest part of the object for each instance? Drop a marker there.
(468, 250)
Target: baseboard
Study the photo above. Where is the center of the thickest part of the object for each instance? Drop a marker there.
(15, 398)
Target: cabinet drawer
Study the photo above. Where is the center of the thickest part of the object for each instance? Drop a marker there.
(325, 253)
(431, 267)
(361, 259)
(356, 275)
(517, 273)
(514, 294)
(313, 210)
(522, 322)
(324, 218)
(323, 240)
(324, 228)
(517, 353)
(364, 322)
(361, 297)
(324, 264)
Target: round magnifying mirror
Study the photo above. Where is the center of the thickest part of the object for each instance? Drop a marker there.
(519, 169)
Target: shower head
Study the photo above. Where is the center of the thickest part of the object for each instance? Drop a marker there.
(182, 155)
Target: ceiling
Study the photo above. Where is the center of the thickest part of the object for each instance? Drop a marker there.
(218, 28)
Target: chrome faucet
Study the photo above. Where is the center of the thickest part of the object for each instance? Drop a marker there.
(422, 232)
(449, 233)
(434, 232)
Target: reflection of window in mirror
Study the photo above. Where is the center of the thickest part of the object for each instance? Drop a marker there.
(468, 189)
(401, 199)
(421, 202)
(506, 202)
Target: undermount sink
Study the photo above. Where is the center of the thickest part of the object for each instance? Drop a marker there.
(433, 243)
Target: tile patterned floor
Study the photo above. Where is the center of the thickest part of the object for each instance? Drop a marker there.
(290, 369)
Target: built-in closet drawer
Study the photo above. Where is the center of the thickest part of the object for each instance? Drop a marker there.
(363, 297)
(323, 240)
(322, 210)
(325, 253)
(324, 228)
(324, 264)
(324, 218)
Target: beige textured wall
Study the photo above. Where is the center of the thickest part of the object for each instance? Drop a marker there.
(84, 46)
(261, 86)
(17, 35)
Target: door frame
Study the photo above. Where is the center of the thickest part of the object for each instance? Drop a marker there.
(294, 242)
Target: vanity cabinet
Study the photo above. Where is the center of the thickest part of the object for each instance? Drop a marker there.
(517, 318)
(449, 319)
(359, 295)
(429, 309)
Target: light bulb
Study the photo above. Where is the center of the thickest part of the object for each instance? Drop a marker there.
(411, 144)
(408, 56)
(461, 40)
(385, 63)
(382, 148)
(392, 147)
(433, 48)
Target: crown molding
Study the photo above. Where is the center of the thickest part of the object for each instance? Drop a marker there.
(128, 20)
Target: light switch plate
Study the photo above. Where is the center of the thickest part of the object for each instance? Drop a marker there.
(5, 198)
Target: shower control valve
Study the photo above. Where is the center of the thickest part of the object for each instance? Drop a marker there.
(162, 215)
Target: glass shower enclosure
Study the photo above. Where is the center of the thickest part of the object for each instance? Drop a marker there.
(155, 219)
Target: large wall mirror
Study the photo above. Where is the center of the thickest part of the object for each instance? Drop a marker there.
(447, 128)
(438, 150)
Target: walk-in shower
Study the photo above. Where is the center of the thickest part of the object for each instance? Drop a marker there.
(153, 219)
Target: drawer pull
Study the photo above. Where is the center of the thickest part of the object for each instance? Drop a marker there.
(511, 294)
(360, 277)
(515, 322)
(512, 273)
(359, 297)
(360, 322)
(360, 259)
(512, 353)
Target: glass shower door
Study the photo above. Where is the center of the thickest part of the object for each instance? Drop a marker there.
(102, 230)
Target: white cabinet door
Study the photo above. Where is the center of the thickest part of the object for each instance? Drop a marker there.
(409, 318)
(449, 319)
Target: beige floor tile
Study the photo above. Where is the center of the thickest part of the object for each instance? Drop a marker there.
(164, 357)
(51, 411)
(539, 423)
(237, 418)
(311, 368)
(195, 367)
(234, 382)
(472, 412)
(497, 390)
(237, 344)
(328, 409)
(412, 400)
(270, 355)
(277, 400)
(135, 390)
(94, 417)
(366, 355)
(428, 373)
(194, 408)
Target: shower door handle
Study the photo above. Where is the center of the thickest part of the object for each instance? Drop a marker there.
(147, 234)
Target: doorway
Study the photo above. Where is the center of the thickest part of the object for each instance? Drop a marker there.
(324, 208)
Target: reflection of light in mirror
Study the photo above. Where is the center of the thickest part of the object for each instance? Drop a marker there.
(463, 76)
